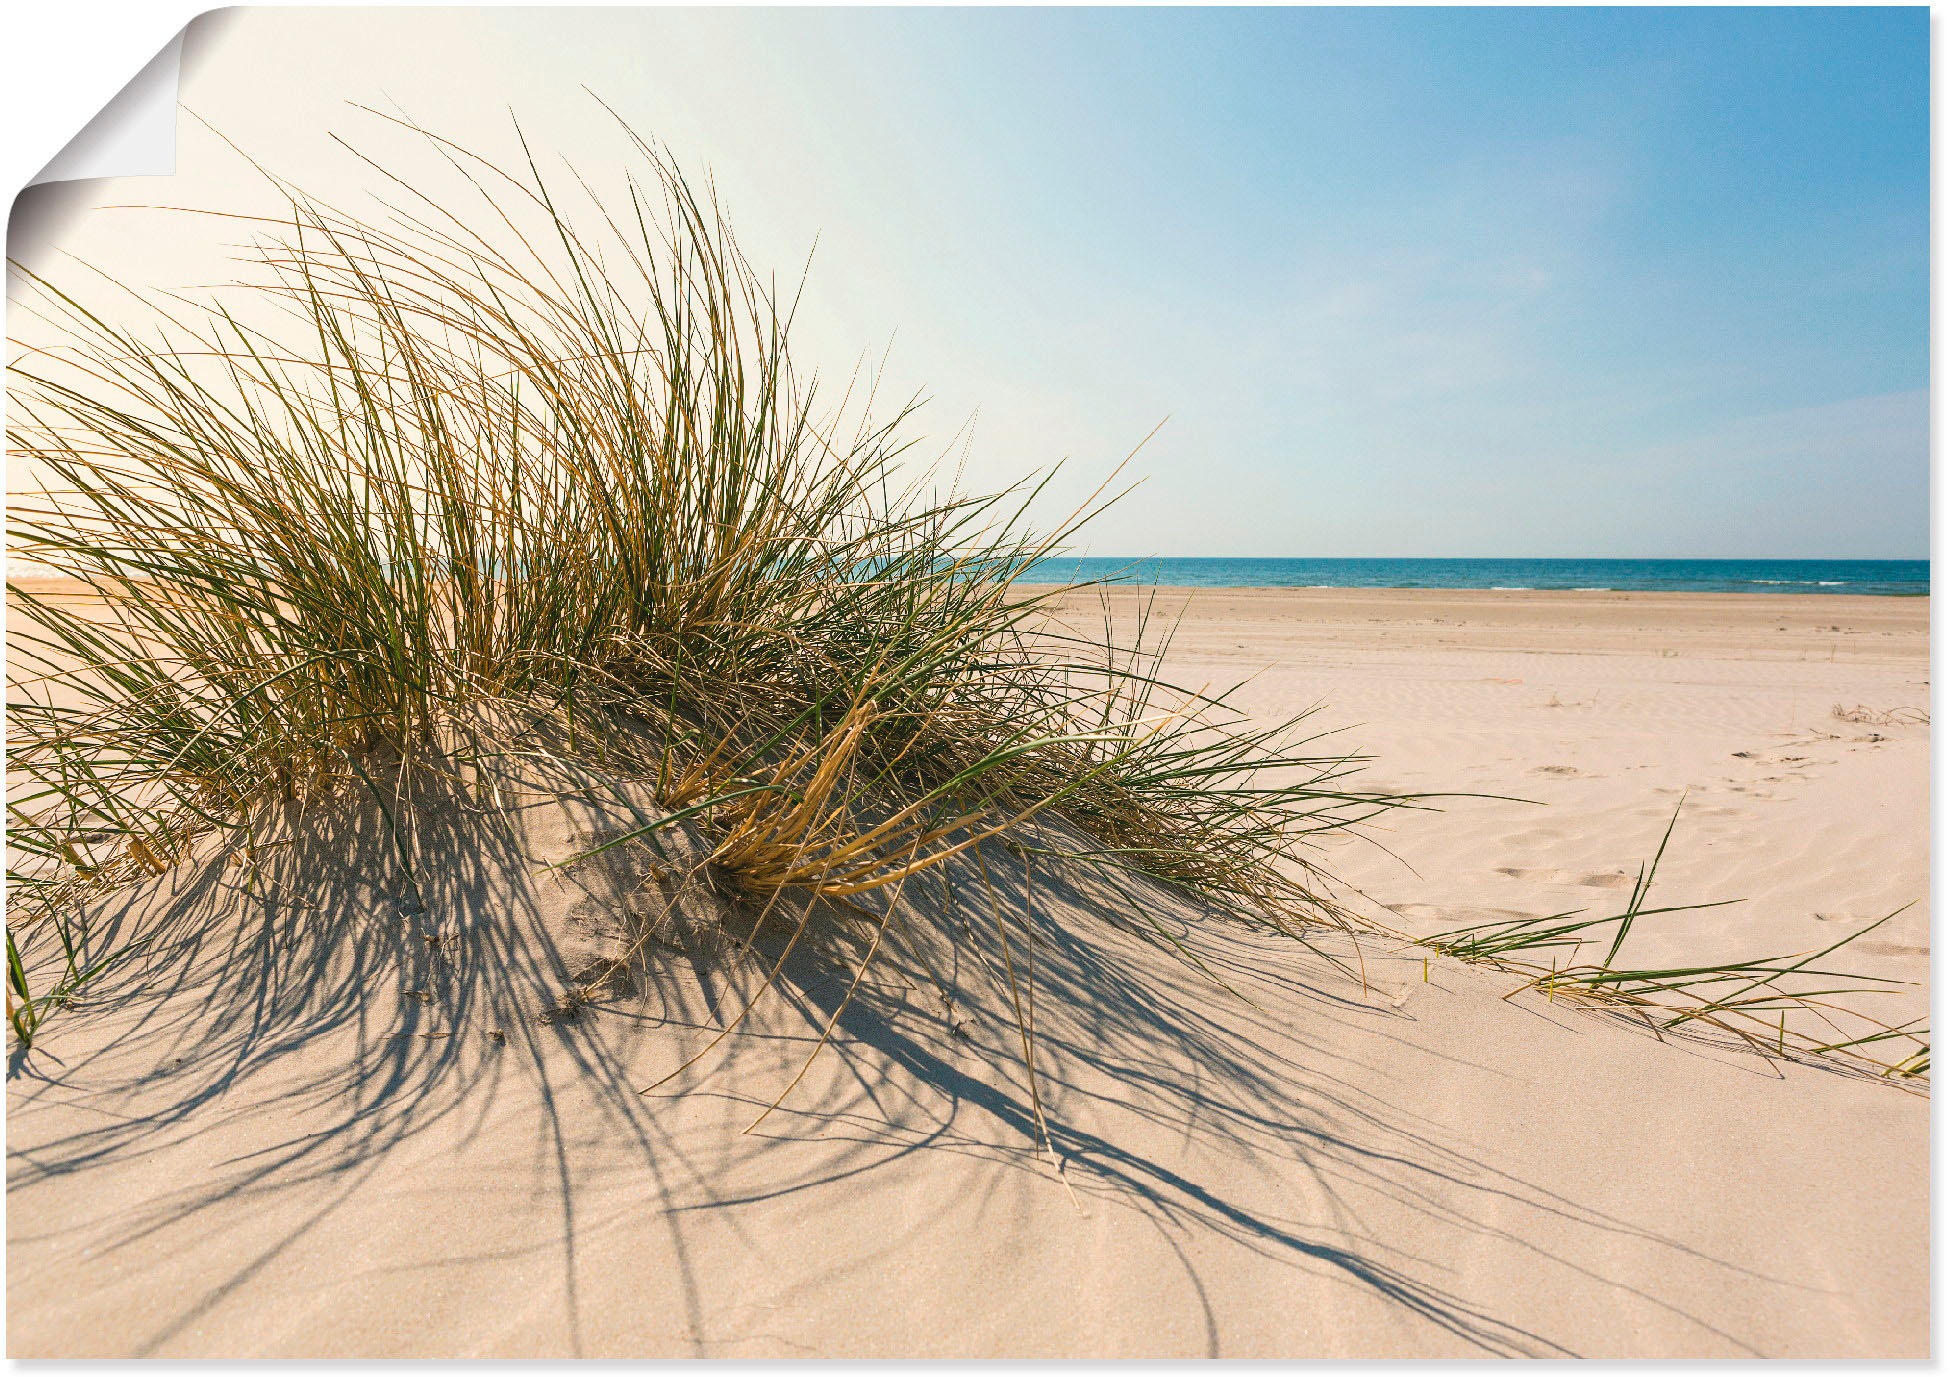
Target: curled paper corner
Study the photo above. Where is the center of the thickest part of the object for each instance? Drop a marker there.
(134, 135)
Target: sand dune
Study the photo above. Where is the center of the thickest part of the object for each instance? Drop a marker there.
(330, 1121)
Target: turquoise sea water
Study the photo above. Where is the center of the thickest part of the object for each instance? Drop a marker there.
(1883, 577)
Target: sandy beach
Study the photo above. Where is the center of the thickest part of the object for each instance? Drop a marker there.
(551, 817)
(313, 1122)
(1793, 726)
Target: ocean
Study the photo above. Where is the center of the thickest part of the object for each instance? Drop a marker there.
(1881, 577)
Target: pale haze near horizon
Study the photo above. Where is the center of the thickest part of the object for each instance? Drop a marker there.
(1406, 283)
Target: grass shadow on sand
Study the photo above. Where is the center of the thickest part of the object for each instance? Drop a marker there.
(303, 1041)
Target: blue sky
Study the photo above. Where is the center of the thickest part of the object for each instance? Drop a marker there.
(1602, 282)
(1512, 281)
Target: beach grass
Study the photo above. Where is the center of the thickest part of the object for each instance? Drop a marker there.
(1750, 1000)
(490, 477)
(525, 470)
(31, 1001)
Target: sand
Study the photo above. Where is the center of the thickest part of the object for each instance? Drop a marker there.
(319, 1121)
(1793, 727)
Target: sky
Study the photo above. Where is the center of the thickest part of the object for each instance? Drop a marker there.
(1432, 282)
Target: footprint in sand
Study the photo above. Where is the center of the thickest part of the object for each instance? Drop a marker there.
(1456, 916)
(1606, 879)
(1696, 811)
(1892, 949)
(1564, 770)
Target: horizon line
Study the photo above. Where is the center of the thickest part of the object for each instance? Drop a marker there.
(1642, 559)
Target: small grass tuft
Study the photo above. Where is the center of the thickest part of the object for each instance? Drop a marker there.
(26, 1011)
(1751, 1001)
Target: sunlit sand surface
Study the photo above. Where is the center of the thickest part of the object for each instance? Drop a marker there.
(316, 1121)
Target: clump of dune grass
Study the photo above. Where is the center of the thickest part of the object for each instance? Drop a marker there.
(421, 485)
(519, 469)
